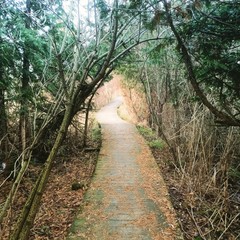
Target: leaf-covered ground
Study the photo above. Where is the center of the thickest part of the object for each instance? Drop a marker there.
(60, 203)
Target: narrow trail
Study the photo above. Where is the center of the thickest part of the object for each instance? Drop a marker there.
(127, 198)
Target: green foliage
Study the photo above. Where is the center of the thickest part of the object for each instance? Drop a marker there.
(159, 144)
(146, 132)
(96, 132)
(103, 8)
(212, 38)
(129, 67)
(235, 173)
(135, 4)
(152, 139)
(198, 238)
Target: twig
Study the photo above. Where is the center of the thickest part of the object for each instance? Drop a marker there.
(182, 228)
(195, 223)
(228, 226)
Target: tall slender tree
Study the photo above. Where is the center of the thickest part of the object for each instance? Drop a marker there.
(3, 115)
(24, 98)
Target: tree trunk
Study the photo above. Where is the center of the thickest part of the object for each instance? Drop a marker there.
(26, 219)
(87, 114)
(24, 115)
(86, 122)
(3, 118)
(221, 117)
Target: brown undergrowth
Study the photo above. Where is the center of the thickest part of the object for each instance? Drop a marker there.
(205, 210)
(59, 203)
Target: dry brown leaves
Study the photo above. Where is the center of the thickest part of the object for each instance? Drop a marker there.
(60, 203)
(157, 191)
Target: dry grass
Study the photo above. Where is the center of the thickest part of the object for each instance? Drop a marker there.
(206, 192)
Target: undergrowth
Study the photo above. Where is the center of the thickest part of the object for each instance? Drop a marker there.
(151, 137)
(96, 132)
(203, 176)
(60, 201)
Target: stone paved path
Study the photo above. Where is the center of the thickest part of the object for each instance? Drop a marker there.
(127, 198)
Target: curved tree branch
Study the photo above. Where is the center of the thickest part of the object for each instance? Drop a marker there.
(221, 117)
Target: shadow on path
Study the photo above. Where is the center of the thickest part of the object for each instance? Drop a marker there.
(127, 198)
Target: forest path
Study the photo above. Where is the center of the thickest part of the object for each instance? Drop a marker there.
(127, 198)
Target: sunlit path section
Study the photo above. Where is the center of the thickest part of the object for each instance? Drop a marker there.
(127, 198)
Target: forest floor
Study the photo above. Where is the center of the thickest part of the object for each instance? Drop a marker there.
(60, 203)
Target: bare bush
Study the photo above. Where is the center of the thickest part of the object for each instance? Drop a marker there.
(206, 155)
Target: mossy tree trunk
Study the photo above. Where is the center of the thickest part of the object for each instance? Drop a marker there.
(30, 209)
